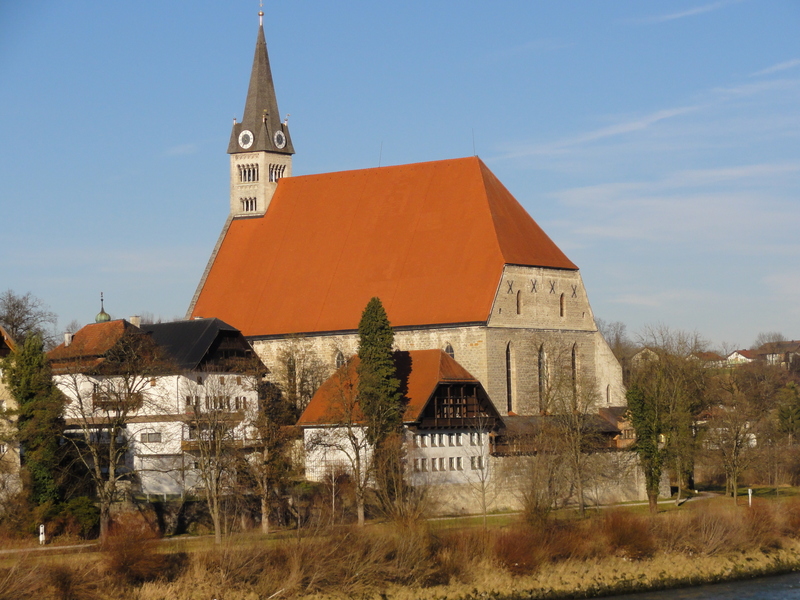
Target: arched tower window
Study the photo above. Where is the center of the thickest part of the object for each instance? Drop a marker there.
(509, 387)
(339, 359)
(561, 306)
(543, 404)
(448, 349)
(519, 302)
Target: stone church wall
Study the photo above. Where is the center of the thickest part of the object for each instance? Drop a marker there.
(535, 311)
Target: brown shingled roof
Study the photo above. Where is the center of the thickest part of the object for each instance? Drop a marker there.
(88, 346)
(429, 239)
(419, 371)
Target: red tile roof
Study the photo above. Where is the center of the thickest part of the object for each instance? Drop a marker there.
(420, 372)
(429, 239)
(88, 345)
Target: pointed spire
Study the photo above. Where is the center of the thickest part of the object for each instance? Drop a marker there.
(261, 116)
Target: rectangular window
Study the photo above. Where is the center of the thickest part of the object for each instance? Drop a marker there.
(458, 439)
(416, 465)
(424, 465)
(452, 464)
(472, 438)
(423, 440)
(151, 438)
(222, 380)
(472, 463)
(480, 463)
(153, 382)
(188, 401)
(459, 465)
(451, 439)
(433, 465)
(433, 440)
(441, 440)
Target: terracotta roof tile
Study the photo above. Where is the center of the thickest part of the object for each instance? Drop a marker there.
(420, 372)
(429, 239)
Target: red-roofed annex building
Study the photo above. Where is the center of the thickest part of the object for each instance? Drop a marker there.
(457, 262)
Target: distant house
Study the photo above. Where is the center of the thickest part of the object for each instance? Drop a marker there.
(709, 359)
(180, 372)
(741, 357)
(782, 354)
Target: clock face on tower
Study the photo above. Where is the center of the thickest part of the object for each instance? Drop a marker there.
(280, 139)
(246, 139)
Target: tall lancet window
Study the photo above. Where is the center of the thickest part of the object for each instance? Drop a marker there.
(562, 308)
(509, 381)
(339, 359)
(519, 302)
(543, 400)
(575, 373)
(448, 349)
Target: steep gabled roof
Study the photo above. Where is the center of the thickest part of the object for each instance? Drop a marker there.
(420, 373)
(429, 239)
(187, 343)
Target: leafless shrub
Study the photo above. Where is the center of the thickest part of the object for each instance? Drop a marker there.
(716, 530)
(520, 551)
(20, 582)
(673, 531)
(763, 530)
(628, 535)
(131, 553)
(67, 583)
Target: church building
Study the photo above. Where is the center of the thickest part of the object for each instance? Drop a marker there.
(457, 262)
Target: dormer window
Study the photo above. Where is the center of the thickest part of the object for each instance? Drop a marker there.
(276, 172)
(249, 205)
(248, 173)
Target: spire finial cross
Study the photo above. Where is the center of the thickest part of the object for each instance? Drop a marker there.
(260, 13)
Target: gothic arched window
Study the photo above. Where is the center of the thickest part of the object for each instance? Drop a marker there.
(562, 306)
(339, 359)
(509, 387)
(448, 349)
(542, 380)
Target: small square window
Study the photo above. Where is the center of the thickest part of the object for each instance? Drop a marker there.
(153, 382)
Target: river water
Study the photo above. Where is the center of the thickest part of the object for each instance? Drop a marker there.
(780, 587)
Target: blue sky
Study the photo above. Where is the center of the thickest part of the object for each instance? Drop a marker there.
(658, 143)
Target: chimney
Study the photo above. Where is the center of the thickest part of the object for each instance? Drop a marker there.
(68, 338)
(136, 320)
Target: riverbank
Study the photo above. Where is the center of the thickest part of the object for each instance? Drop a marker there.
(610, 553)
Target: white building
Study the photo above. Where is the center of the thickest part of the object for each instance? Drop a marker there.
(158, 386)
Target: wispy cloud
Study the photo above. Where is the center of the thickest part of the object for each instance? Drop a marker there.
(633, 125)
(692, 12)
(789, 64)
(182, 150)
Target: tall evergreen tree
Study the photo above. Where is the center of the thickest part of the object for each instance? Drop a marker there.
(39, 421)
(378, 387)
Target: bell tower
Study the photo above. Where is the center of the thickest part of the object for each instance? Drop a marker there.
(260, 145)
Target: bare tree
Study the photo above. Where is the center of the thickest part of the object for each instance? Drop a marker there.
(103, 398)
(216, 420)
(24, 315)
(269, 449)
(345, 444)
(767, 337)
(298, 371)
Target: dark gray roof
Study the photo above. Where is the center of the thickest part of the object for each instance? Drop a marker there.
(187, 343)
(261, 115)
